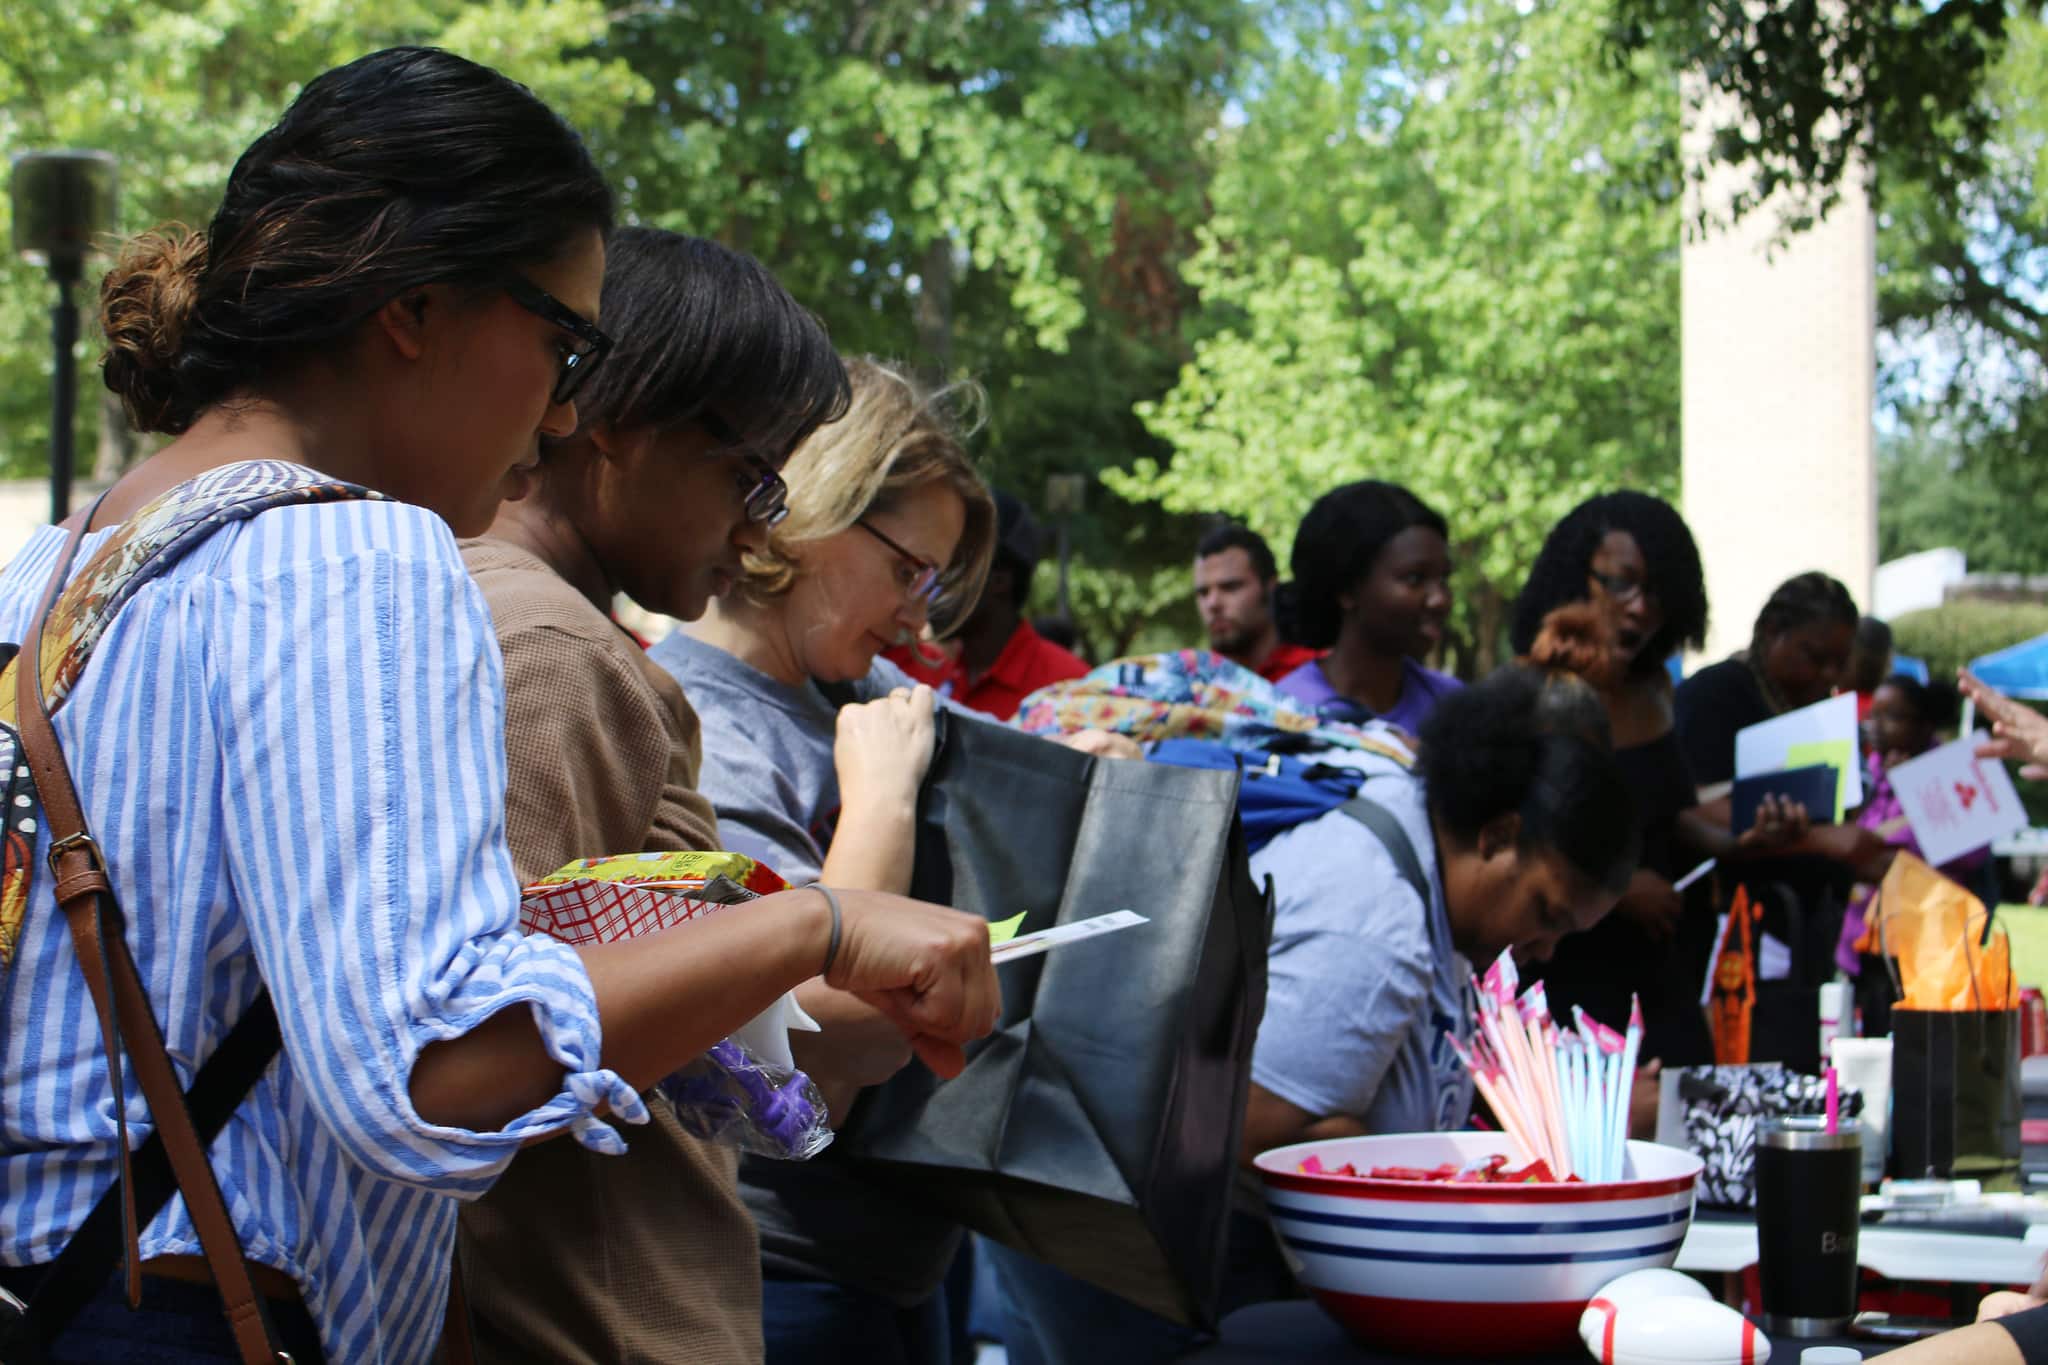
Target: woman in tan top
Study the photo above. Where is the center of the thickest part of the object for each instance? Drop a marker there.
(671, 475)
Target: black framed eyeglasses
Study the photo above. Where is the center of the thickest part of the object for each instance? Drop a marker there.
(581, 357)
(766, 495)
(1620, 589)
(924, 582)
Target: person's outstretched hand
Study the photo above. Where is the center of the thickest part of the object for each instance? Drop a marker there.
(923, 966)
(2018, 733)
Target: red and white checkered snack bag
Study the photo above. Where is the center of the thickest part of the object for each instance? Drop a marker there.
(603, 900)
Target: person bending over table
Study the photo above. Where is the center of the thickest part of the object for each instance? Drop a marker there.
(1511, 828)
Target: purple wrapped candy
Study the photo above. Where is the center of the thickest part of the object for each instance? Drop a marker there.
(729, 1096)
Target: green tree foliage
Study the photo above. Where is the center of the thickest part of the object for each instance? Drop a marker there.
(1003, 191)
(1963, 293)
(1797, 92)
(1444, 252)
(1979, 490)
(177, 90)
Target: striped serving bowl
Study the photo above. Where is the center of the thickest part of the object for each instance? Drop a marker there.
(1482, 1270)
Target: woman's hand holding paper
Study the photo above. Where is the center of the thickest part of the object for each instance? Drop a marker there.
(924, 967)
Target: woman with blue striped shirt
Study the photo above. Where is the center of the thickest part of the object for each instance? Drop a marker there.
(290, 744)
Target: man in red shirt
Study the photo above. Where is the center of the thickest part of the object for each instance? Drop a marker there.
(1001, 659)
(1234, 580)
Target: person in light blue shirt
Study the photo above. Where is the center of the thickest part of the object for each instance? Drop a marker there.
(290, 744)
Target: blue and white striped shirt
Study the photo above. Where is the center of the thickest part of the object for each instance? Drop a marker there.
(291, 750)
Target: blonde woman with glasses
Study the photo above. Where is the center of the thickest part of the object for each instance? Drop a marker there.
(814, 748)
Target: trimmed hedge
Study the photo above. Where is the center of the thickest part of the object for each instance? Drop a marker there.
(1950, 635)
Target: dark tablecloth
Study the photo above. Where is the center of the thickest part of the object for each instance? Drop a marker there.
(1277, 1332)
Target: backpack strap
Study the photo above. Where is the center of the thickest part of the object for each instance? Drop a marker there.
(127, 1023)
(1387, 829)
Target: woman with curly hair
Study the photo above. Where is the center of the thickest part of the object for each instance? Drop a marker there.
(1631, 558)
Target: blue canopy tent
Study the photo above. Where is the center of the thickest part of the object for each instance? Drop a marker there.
(2019, 670)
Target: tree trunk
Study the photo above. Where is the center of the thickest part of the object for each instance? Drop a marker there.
(1489, 616)
(935, 305)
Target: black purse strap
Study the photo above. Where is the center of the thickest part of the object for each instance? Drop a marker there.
(90, 1257)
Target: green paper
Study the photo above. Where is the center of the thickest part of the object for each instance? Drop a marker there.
(1002, 931)
(1836, 753)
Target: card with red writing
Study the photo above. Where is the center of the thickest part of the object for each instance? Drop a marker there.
(1956, 802)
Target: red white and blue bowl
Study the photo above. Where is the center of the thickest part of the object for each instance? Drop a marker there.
(1480, 1270)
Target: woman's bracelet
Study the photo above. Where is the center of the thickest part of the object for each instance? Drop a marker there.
(831, 944)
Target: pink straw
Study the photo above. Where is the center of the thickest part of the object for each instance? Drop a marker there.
(1834, 1102)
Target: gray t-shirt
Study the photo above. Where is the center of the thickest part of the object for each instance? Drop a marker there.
(768, 773)
(1362, 979)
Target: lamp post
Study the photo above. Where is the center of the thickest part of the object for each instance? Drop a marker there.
(1064, 494)
(62, 201)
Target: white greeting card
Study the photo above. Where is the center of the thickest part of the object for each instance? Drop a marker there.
(1956, 802)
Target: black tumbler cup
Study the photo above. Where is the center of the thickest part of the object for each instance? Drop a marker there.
(1809, 1192)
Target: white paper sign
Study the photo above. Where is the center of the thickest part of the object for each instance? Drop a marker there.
(1766, 746)
(1030, 945)
(1956, 802)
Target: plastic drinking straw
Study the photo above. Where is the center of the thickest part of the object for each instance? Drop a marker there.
(1596, 1128)
(1589, 1090)
(1546, 1040)
(1630, 1047)
(1689, 878)
(1497, 1033)
(1608, 1047)
(1504, 978)
(1509, 1122)
(1596, 1085)
(1529, 1084)
(1534, 1010)
(1571, 1082)
(1834, 1101)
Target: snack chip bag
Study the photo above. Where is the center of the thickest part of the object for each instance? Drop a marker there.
(746, 1091)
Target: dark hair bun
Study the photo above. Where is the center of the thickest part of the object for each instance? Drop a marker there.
(406, 167)
(147, 302)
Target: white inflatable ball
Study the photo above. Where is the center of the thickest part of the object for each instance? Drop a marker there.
(1639, 1286)
(1671, 1331)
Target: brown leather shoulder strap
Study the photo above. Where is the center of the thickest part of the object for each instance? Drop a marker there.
(126, 1020)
